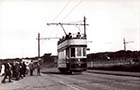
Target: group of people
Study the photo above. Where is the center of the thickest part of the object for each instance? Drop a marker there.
(17, 70)
(69, 36)
(33, 66)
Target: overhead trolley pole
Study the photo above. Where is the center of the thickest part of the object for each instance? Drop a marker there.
(62, 24)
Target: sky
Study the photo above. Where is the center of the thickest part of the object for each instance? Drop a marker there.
(109, 22)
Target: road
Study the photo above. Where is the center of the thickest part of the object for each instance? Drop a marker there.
(51, 79)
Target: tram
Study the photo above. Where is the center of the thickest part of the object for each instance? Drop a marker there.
(72, 50)
(72, 54)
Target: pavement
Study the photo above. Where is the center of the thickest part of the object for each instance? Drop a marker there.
(43, 82)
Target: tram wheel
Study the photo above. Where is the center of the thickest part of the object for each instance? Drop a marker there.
(62, 70)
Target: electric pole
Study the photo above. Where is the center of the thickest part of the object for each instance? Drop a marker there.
(47, 38)
(125, 43)
(38, 45)
(85, 27)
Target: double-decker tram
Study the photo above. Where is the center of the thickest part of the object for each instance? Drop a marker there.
(72, 53)
(72, 50)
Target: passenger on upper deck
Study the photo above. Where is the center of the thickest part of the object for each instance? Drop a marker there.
(63, 38)
(69, 36)
(78, 35)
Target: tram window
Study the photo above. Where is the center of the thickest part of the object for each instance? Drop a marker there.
(79, 52)
(84, 51)
(72, 52)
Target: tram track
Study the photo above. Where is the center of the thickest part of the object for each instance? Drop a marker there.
(66, 81)
(90, 80)
(118, 73)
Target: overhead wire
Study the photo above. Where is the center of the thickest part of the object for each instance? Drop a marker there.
(78, 28)
(71, 10)
(62, 10)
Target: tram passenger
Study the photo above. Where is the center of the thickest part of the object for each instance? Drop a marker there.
(78, 35)
(63, 38)
(69, 36)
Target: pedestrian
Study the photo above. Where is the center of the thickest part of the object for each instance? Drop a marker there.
(31, 66)
(7, 72)
(38, 68)
(21, 70)
(13, 70)
(17, 70)
(2, 70)
(24, 69)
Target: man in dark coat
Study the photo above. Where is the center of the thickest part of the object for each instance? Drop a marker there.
(24, 69)
(17, 70)
(7, 72)
(38, 68)
(31, 66)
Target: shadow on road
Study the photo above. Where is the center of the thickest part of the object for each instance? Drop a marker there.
(57, 72)
(54, 72)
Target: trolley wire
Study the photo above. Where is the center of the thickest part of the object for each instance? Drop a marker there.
(71, 10)
(62, 10)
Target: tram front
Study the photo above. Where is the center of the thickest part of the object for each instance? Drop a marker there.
(72, 55)
(77, 56)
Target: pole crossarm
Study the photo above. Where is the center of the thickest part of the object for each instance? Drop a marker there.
(48, 38)
(82, 24)
(129, 42)
(61, 24)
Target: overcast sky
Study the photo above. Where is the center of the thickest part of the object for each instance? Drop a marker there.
(109, 22)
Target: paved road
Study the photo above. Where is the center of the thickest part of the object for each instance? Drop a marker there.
(53, 80)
